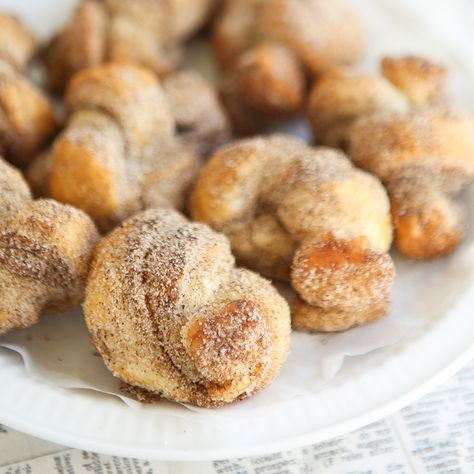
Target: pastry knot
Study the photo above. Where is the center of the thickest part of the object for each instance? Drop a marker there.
(307, 216)
(45, 250)
(171, 315)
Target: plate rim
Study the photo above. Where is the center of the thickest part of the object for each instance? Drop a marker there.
(381, 410)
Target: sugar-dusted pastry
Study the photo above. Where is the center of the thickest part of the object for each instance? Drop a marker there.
(45, 251)
(118, 153)
(265, 83)
(399, 127)
(27, 119)
(305, 215)
(341, 96)
(424, 158)
(268, 47)
(172, 316)
(145, 32)
(201, 120)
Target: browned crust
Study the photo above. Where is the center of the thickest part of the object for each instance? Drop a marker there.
(421, 80)
(201, 120)
(306, 317)
(81, 45)
(265, 81)
(302, 214)
(118, 153)
(424, 157)
(144, 32)
(425, 235)
(268, 49)
(17, 44)
(321, 34)
(428, 222)
(339, 97)
(234, 29)
(171, 315)
(342, 275)
(27, 121)
(398, 126)
(45, 250)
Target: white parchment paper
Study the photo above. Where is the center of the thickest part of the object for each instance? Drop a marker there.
(58, 350)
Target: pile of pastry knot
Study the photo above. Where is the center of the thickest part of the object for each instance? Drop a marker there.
(121, 189)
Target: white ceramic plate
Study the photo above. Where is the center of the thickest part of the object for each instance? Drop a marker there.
(106, 425)
(396, 377)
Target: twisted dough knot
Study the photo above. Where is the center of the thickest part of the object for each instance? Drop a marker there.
(201, 120)
(145, 32)
(399, 128)
(45, 248)
(27, 120)
(118, 153)
(305, 215)
(171, 315)
(269, 46)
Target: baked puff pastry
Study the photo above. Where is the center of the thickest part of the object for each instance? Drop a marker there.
(45, 250)
(27, 120)
(118, 153)
(399, 126)
(304, 215)
(268, 47)
(172, 316)
(144, 32)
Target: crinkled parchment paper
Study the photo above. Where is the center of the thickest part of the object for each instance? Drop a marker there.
(58, 350)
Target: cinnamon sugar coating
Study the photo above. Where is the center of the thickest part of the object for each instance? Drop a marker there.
(45, 250)
(201, 120)
(304, 215)
(421, 80)
(144, 32)
(118, 153)
(342, 95)
(268, 47)
(27, 120)
(265, 83)
(172, 316)
(400, 128)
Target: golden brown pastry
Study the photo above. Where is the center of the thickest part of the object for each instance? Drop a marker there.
(305, 215)
(38, 174)
(265, 83)
(400, 128)
(199, 117)
(267, 48)
(118, 153)
(341, 96)
(424, 158)
(201, 120)
(45, 250)
(172, 316)
(146, 32)
(27, 119)
(420, 79)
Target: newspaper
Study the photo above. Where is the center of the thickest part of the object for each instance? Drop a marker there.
(434, 435)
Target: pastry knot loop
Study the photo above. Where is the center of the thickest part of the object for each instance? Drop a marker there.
(307, 216)
(171, 315)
